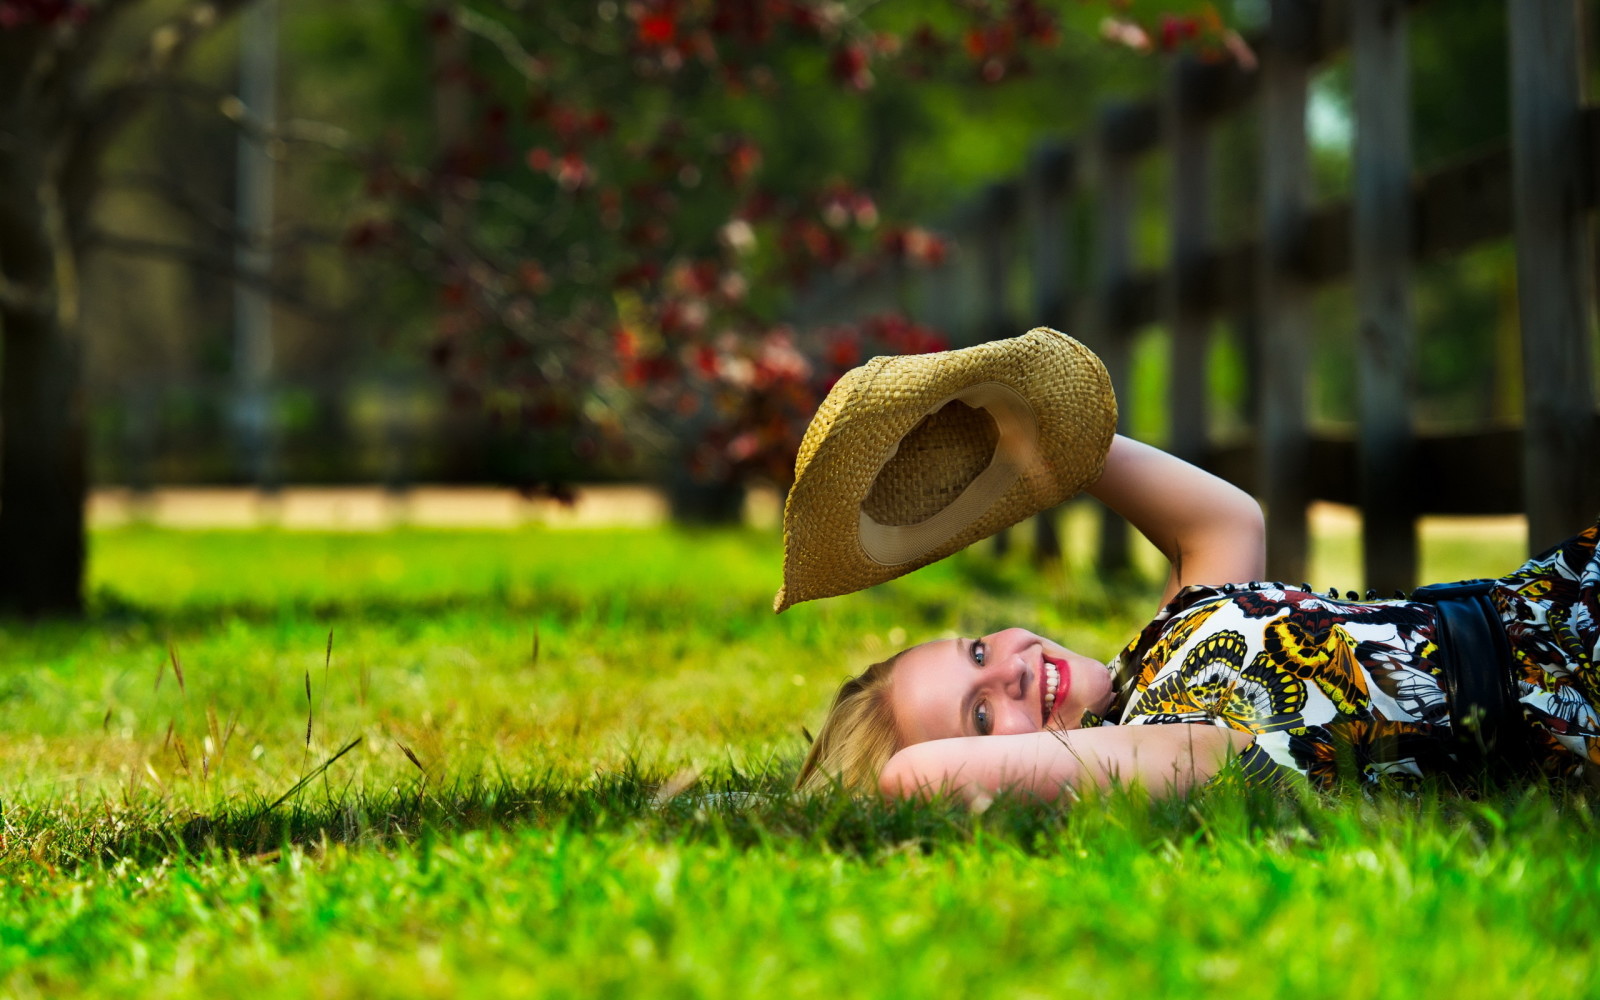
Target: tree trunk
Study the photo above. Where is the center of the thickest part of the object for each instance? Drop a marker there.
(43, 484)
(43, 480)
(55, 126)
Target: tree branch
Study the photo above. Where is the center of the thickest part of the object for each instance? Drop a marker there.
(212, 216)
(96, 121)
(498, 35)
(202, 259)
(303, 131)
(19, 53)
(64, 65)
(14, 298)
(169, 44)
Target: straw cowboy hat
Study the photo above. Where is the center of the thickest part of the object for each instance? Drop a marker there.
(911, 458)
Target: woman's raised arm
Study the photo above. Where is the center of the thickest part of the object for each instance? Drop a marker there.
(1165, 759)
(1210, 530)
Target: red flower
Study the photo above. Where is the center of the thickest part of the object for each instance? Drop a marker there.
(705, 361)
(976, 43)
(743, 159)
(844, 350)
(849, 66)
(643, 370)
(533, 276)
(659, 28)
(573, 172)
(1177, 30)
(625, 343)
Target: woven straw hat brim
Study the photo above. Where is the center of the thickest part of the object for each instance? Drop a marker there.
(911, 458)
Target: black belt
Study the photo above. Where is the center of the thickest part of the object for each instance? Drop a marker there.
(1475, 656)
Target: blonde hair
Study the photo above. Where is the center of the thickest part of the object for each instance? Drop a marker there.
(857, 737)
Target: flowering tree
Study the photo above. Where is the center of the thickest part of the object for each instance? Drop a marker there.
(626, 194)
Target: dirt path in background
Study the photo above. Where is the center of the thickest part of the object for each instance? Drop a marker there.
(374, 509)
(360, 508)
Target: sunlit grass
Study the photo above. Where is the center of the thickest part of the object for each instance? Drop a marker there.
(569, 777)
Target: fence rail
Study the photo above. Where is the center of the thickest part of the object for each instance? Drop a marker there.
(397, 431)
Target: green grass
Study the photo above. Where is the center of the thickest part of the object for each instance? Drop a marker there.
(569, 771)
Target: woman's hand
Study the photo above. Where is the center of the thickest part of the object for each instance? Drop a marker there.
(1164, 760)
(1210, 530)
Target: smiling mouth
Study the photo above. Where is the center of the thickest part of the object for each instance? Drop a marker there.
(1053, 684)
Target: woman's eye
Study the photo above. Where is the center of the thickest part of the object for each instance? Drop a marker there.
(980, 651)
(982, 721)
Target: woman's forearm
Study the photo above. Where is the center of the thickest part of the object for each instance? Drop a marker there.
(1210, 530)
(1162, 759)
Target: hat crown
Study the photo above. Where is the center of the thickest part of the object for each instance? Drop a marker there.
(912, 457)
(932, 464)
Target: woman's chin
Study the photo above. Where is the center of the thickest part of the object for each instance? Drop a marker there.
(1091, 690)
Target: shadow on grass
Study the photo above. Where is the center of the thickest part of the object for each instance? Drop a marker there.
(750, 810)
(737, 809)
(714, 616)
(645, 606)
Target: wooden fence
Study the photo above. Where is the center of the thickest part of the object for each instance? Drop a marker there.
(1536, 187)
(396, 430)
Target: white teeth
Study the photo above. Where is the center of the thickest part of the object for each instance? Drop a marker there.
(1052, 680)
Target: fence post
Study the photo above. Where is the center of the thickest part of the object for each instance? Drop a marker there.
(253, 392)
(1051, 169)
(1189, 208)
(140, 432)
(1382, 258)
(997, 244)
(1285, 295)
(939, 297)
(1113, 250)
(997, 231)
(397, 435)
(1561, 478)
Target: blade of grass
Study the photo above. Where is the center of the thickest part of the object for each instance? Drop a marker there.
(327, 660)
(305, 757)
(410, 756)
(312, 776)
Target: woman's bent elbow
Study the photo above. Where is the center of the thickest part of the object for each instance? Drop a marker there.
(897, 780)
(917, 770)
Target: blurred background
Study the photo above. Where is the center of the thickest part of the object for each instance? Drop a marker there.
(545, 243)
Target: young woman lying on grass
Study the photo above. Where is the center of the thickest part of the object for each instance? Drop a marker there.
(1501, 677)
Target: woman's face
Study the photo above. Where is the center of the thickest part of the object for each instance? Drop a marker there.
(1003, 683)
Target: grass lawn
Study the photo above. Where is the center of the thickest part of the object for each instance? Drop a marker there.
(558, 762)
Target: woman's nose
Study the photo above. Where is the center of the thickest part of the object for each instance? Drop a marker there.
(1017, 685)
(1013, 672)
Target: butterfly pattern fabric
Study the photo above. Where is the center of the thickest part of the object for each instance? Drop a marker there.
(1341, 690)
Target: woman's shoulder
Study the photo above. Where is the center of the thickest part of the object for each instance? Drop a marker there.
(1183, 606)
